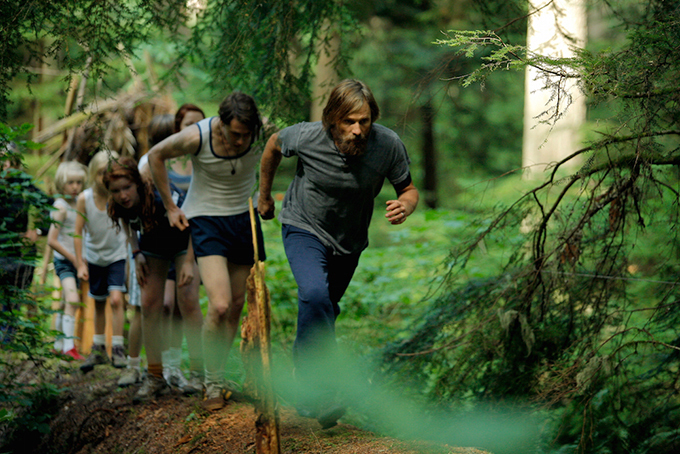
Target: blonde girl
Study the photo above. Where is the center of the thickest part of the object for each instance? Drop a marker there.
(102, 263)
(69, 182)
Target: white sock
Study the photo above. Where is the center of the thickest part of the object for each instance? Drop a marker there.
(99, 340)
(134, 363)
(165, 358)
(118, 340)
(68, 323)
(175, 358)
(59, 343)
(213, 376)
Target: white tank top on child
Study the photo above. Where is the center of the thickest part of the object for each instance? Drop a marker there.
(103, 242)
(220, 185)
(67, 228)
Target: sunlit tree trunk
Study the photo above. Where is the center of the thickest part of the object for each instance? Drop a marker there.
(326, 75)
(552, 122)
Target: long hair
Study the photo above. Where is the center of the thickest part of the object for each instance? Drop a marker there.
(348, 97)
(182, 111)
(126, 167)
(241, 107)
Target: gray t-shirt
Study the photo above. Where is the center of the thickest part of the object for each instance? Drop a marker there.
(332, 194)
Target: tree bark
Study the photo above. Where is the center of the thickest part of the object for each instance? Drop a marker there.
(552, 123)
(326, 76)
(256, 353)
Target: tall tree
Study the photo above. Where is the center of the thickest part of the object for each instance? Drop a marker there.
(556, 29)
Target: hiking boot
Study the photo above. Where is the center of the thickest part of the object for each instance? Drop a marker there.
(215, 396)
(96, 357)
(118, 357)
(151, 388)
(73, 353)
(131, 376)
(194, 385)
(329, 416)
(174, 377)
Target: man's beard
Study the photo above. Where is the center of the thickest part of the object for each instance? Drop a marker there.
(350, 146)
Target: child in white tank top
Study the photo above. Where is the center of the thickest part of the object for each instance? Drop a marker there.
(103, 264)
(69, 181)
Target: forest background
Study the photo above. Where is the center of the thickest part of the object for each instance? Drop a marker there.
(557, 295)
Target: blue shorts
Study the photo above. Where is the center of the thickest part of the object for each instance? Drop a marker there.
(64, 269)
(227, 236)
(104, 279)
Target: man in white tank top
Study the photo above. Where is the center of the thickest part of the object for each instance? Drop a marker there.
(216, 208)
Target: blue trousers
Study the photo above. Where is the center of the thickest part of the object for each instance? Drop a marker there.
(322, 279)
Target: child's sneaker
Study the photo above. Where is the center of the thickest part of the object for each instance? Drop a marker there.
(73, 353)
(118, 357)
(96, 357)
(174, 377)
(151, 388)
(194, 385)
(131, 376)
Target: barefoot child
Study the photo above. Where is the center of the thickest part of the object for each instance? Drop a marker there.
(69, 182)
(138, 207)
(103, 264)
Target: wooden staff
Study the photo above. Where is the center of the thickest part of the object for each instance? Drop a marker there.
(256, 352)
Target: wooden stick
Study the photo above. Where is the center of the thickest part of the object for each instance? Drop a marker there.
(256, 336)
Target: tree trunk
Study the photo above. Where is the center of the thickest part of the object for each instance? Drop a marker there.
(552, 123)
(326, 76)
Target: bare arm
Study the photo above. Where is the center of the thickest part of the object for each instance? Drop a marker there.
(271, 158)
(180, 144)
(406, 203)
(81, 264)
(53, 235)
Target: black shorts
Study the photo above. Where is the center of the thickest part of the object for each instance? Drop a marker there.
(165, 242)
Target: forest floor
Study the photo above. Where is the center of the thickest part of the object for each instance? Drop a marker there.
(92, 415)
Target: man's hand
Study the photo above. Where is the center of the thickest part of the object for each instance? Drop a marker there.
(396, 212)
(177, 219)
(266, 207)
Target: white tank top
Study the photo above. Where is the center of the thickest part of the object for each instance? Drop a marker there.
(220, 186)
(104, 244)
(67, 228)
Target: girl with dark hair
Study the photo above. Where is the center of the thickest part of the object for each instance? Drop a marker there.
(136, 206)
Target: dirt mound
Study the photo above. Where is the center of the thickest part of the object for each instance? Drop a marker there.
(93, 415)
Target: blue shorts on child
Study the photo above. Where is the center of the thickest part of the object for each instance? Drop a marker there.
(104, 279)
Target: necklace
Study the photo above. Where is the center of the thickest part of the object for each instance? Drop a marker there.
(226, 147)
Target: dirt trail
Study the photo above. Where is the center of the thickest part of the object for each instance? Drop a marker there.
(93, 415)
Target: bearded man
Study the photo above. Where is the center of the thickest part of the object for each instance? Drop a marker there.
(342, 164)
